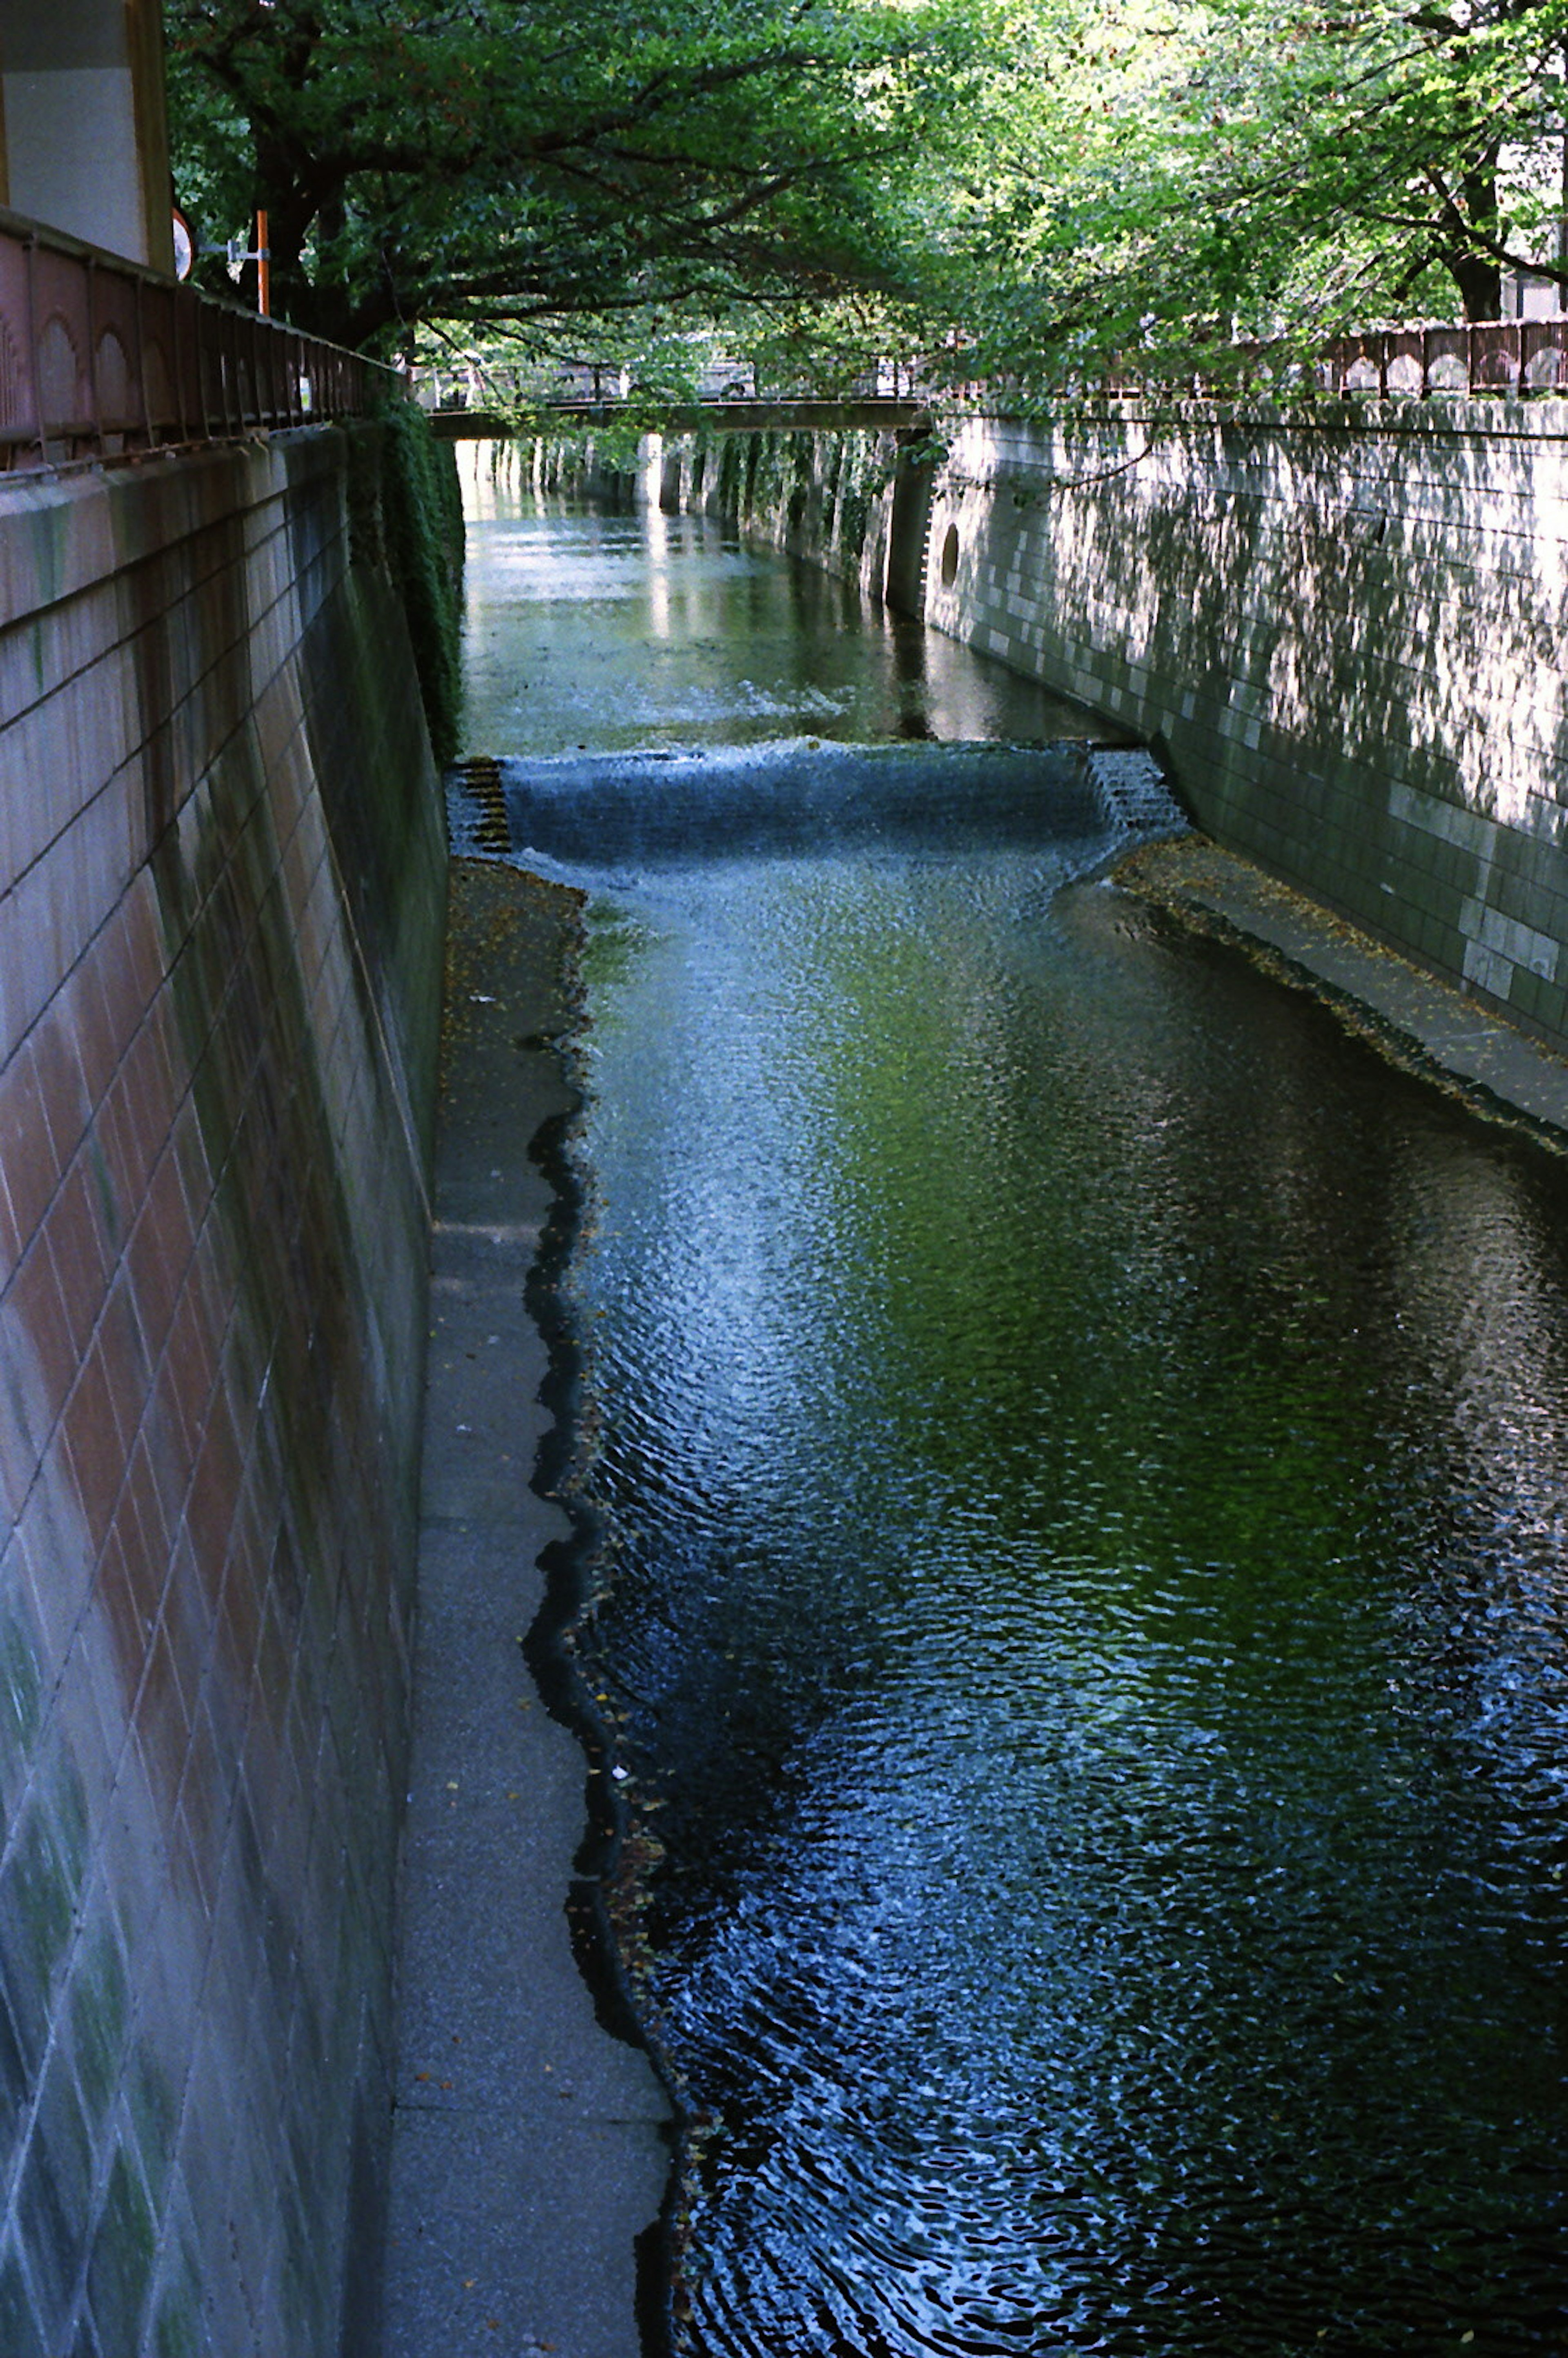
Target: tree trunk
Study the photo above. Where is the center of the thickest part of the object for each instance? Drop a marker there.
(1478, 276)
(291, 210)
(1480, 284)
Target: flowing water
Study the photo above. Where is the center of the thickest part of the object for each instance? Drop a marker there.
(1084, 1447)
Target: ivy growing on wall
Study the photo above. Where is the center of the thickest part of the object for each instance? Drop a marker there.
(422, 528)
(862, 475)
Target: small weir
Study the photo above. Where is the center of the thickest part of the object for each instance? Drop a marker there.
(1080, 1451)
(798, 798)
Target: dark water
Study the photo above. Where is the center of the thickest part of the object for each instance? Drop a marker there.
(1086, 1451)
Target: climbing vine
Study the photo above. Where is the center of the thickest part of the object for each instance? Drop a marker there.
(422, 529)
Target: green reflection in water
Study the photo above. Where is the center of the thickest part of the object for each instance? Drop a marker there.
(1086, 1445)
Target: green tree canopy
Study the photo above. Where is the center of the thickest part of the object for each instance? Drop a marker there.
(496, 162)
(1022, 187)
(1168, 178)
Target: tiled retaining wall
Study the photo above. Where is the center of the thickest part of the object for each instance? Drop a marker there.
(221, 906)
(1345, 636)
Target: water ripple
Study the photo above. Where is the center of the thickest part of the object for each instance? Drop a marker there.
(1087, 1447)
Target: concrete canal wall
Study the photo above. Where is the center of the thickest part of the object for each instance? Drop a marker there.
(1342, 631)
(1345, 636)
(222, 894)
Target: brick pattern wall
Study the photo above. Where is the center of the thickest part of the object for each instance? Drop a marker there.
(215, 1094)
(1345, 634)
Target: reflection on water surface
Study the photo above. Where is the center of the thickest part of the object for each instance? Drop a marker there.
(618, 630)
(1086, 1447)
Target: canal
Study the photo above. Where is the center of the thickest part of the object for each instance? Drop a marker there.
(1079, 1446)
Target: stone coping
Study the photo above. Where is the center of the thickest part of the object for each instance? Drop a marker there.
(1423, 1023)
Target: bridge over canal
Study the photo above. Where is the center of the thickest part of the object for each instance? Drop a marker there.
(786, 413)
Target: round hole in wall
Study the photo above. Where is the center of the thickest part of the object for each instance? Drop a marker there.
(950, 557)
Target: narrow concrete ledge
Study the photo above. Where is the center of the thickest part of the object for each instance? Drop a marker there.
(528, 2146)
(1412, 1015)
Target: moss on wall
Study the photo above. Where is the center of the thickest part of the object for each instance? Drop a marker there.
(820, 495)
(824, 497)
(406, 509)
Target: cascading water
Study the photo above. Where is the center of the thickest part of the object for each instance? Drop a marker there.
(1082, 1449)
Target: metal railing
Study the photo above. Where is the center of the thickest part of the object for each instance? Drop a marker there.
(1496, 356)
(1512, 358)
(1508, 358)
(579, 386)
(100, 359)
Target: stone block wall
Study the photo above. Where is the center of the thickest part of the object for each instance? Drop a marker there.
(1343, 630)
(221, 892)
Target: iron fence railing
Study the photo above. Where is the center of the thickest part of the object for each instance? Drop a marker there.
(1508, 358)
(100, 359)
(1513, 358)
(579, 386)
(1495, 356)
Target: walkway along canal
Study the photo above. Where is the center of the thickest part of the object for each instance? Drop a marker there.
(1076, 1443)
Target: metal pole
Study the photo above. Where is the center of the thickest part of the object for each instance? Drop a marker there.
(1562, 194)
(33, 351)
(147, 430)
(90, 274)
